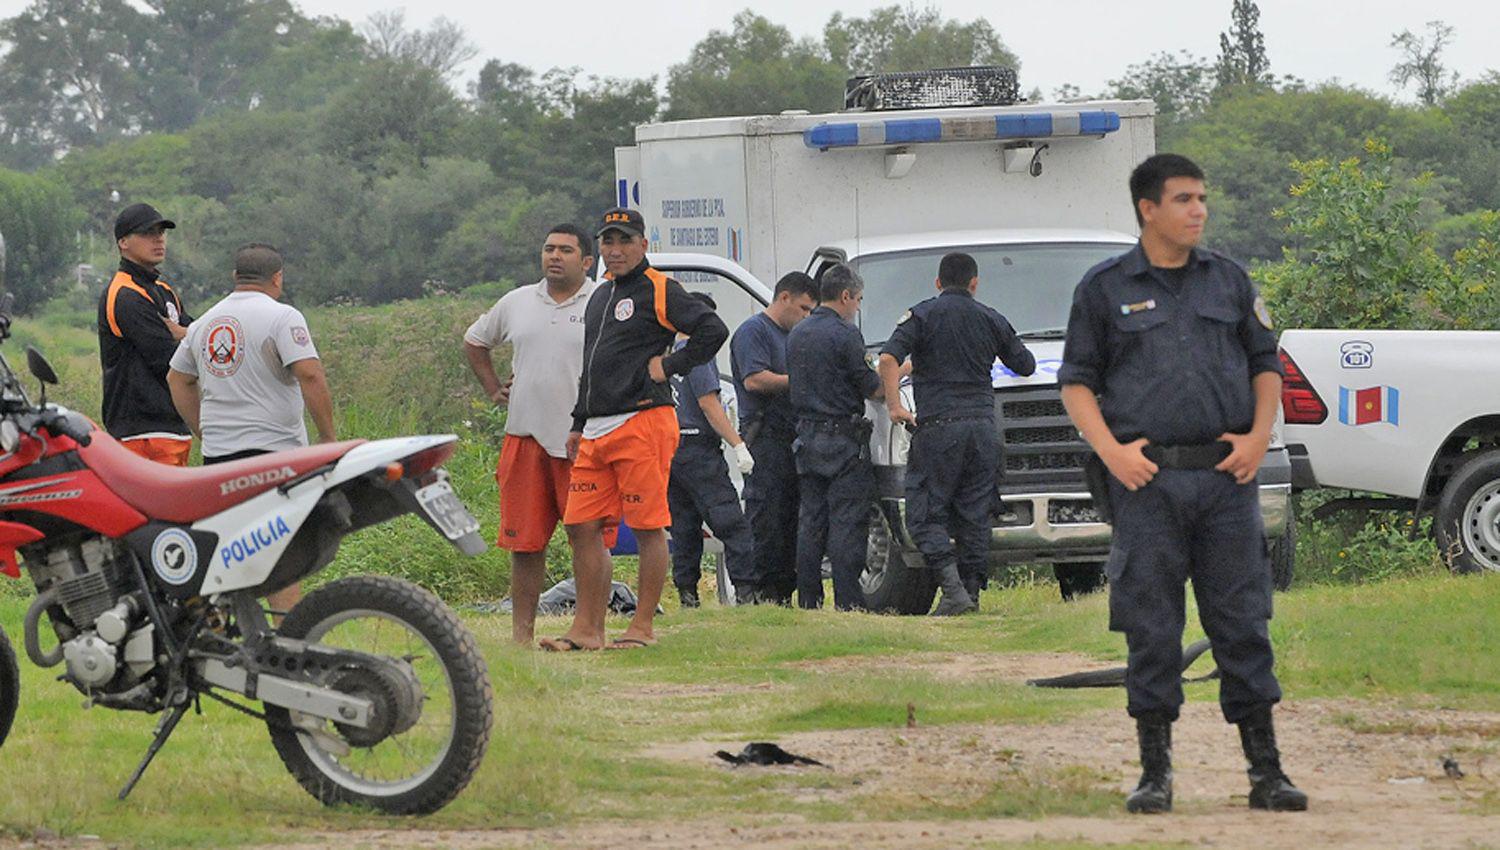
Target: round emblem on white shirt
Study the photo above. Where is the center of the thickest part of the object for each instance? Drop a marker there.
(223, 347)
(624, 310)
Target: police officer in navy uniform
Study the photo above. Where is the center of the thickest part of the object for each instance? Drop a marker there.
(1170, 371)
(699, 490)
(758, 359)
(830, 381)
(954, 466)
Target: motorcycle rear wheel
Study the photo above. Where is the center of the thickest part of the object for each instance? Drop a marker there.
(416, 770)
(10, 686)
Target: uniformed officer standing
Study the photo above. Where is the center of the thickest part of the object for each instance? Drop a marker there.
(954, 464)
(699, 490)
(1177, 347)
(758, 359)
(830, 381)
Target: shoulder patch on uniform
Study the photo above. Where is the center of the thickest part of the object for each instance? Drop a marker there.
(1262, 314)
(904, 317)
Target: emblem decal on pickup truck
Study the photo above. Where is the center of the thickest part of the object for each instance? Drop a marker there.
(1356, 354)
(1369, 406)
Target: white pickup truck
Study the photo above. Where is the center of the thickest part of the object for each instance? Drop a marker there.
(1035, 192)
(1411, 415)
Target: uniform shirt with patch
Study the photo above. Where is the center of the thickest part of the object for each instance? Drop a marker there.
(953, 340)
(547, 355)
(1171, 353)
(241, 352)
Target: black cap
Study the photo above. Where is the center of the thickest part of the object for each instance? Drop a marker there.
(138, 218)
(624, 220)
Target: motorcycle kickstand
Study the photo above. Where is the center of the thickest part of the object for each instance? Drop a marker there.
(163, 732)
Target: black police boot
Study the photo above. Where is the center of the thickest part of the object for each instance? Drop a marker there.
(956, 599)
(1269, 788)
(747, 594)
(974, 585)
(1153, 794)
(688, 596)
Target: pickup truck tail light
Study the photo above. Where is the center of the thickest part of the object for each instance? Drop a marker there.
(1300, 403)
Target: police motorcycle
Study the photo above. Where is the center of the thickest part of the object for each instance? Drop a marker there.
(149, 583)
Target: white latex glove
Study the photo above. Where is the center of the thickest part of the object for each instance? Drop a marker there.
(743, 459)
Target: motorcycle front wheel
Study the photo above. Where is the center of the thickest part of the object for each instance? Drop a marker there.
(10, 686)
(416, 765)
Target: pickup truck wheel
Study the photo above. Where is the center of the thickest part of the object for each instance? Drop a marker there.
(1284, 555)
(1468, 516)
(889, 585)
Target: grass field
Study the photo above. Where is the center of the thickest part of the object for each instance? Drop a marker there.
(570, 730)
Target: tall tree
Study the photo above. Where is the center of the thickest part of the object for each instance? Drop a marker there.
(1242, 50)
(67, 77)
(1422, 62)
(442, 47)
(1181, 85)
(755, 68)
(896, 38)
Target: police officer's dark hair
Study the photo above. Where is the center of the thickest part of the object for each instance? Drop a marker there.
(255, 263)
(955, 270)
(836, 280)
(797, 283)
(1149, 179)
(585, 241)
(706, 299)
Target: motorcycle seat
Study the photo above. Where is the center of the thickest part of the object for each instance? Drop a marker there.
(188, 494)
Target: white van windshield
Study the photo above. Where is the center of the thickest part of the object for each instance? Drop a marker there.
(1032, 285)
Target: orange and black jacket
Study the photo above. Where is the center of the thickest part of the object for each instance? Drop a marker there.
(627, 322)
(135, 348)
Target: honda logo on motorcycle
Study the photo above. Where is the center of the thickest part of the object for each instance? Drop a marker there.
(257, 479)
(254, 540)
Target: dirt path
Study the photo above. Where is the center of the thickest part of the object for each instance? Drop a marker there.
(1375, 774)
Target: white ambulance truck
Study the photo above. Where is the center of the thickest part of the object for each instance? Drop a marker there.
(1036, 192)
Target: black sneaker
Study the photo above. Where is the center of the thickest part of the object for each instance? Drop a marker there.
(688, 596)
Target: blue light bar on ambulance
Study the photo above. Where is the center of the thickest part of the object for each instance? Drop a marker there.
(1005, 125)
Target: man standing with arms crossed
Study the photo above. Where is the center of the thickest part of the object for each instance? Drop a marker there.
(625, 427)
(245, 371)
(1171, 374)
(543, 322)
(141, 320)
(954, 465)
(758, 359)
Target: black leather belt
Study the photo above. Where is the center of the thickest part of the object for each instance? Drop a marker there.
(1204, 456)
(948, 420)
(834, 426)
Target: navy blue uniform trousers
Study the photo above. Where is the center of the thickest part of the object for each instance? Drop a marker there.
(699, 491)
(771, 505)
(837, 485)
(952, 473)
(1199, 525)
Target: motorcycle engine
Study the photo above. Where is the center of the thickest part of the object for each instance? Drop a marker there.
(100, 638)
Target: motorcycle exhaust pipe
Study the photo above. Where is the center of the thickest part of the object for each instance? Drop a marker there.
(33, 640)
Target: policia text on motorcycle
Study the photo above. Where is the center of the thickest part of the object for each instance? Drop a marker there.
(954, 464)
(1171, 374)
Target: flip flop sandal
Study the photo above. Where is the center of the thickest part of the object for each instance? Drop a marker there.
(628, 643)
(561, 644)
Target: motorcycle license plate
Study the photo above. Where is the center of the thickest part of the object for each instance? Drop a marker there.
(444, 508)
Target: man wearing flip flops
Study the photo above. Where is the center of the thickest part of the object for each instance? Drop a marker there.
(625, 426)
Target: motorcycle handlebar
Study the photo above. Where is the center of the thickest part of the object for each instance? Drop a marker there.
(67, 426)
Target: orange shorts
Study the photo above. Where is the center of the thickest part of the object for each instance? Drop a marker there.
(626, 470)
(173, 452)
(533, 495)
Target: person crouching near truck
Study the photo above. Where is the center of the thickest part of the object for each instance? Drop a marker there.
(954, 466)
(699, 490)
(624, 428)
(1170, 372)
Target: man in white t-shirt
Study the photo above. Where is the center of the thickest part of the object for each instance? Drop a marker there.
(543, 322)
(246, 370)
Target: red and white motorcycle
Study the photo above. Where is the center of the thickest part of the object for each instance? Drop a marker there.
(151, 580)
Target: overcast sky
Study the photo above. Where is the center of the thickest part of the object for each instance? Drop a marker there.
(1083, 42)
